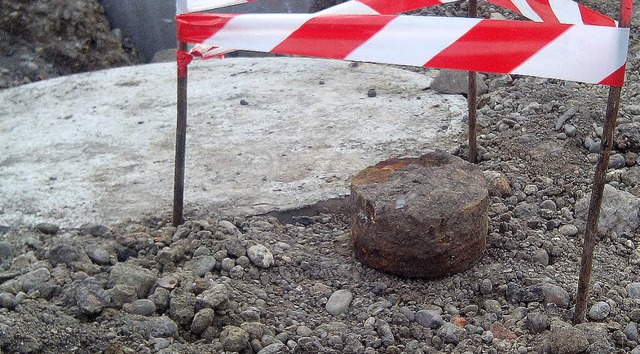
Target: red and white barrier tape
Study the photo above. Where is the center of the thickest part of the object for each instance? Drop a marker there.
(380, 7)
(591, 54)
(555, 11)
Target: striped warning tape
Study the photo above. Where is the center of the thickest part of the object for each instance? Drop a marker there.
(555, 11)
(551, 10)
(592, 54)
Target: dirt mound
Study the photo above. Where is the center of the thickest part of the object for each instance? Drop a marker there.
(50, 38)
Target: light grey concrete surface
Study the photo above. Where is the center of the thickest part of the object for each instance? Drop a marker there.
(99, 147)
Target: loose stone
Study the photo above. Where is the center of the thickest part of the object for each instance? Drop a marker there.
(202, 320)
(429, 319)
(617, 161)
(554, 294)
(227, 264)
(144, 307)
(8, 301)
(599, 311)
(537, 322)
(339, 302)
(235, 248)
(633, 290)
(204, 265)
(47, 228)
(631, 331)
(564, 338)
(260, 256)
(98, 255)
(568, 230)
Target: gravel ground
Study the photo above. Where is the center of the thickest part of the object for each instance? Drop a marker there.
(288, 282)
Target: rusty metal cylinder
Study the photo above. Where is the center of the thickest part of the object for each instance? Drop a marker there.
(421, 217)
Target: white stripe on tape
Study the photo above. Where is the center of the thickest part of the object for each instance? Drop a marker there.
(349, 7)
(426, 37)
(257, 32)
(526, 10)
(591, 46)
(566, 11)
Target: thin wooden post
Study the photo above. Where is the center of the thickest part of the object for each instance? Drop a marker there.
(472, 98)
(181, 139)
(613, 105)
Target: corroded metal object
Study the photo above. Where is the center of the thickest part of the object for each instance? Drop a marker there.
(420, 217)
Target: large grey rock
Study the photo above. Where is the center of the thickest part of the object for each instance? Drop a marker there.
(67, 253)
(182, 308)
(38, 281)
(202, 320)
(260, 256)
(627, 137)
(554, 294)
(91, 298)
(429, 319)
(162, 327)
(565, 339)
(139, 278)
(234, 339)
(619, 211)
(633, 290)
(215, 298)
(339, 302)
(144, 307)
(599, 311)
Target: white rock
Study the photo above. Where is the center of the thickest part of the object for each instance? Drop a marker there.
(260, 256)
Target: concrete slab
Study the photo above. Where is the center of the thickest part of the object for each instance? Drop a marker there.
(99, 147)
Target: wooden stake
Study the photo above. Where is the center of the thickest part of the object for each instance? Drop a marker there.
(472, 98)
(181, 139)
(613, 105)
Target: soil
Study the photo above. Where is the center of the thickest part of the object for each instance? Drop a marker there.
(210, 286)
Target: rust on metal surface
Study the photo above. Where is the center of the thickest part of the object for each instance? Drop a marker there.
(595, 203)
(427, 217)
(380, 172)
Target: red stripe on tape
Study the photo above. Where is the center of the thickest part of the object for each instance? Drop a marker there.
(616, 78)
(591, 17)
(398, 6)
(497, 46)
(311, 39)
(543, 9)
(195, 28)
